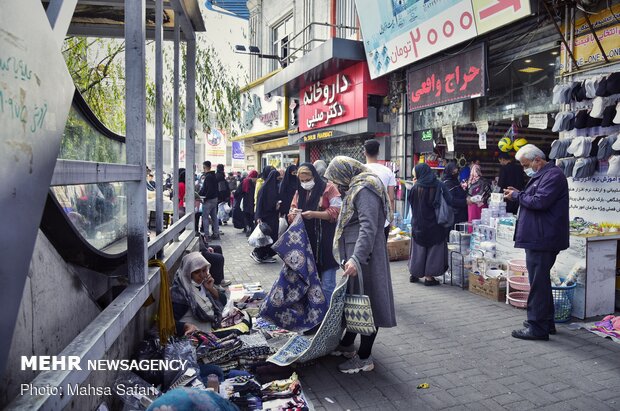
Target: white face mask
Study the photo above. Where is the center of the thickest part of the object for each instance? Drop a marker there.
(529, 171)
(307, 185)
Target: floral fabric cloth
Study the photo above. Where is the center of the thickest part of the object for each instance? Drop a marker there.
(296, 301)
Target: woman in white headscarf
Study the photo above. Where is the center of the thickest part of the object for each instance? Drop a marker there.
(197, 302)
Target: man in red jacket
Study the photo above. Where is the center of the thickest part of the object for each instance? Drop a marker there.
(543, 231)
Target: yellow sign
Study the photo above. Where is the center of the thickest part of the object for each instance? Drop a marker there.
(318, 136)
(491, 14)
(585, 50)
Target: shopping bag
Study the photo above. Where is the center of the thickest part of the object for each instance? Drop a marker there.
(258, 238)
(357, 311)
(283, 226)
(443, 212)
(223, 211)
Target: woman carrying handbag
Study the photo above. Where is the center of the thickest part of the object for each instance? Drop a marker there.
(360, 245)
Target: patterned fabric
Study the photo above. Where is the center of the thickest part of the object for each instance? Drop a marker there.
(296, 301)
(189, 399)
(358, 315)
(349, 173)
(300, 348)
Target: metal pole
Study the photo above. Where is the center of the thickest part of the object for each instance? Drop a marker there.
(190, 120)
(159, 117)
(598, 42)
(135, 117)
(175, 122)
(557, 28)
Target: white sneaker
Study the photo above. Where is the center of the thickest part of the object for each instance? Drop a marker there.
(356, 364)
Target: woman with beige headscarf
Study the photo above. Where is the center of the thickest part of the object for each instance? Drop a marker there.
(197, 302)
(360, 245)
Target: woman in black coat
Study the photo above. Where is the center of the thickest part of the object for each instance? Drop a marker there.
(288, 188)
(267, 211)
(450, 179)
(248, 187)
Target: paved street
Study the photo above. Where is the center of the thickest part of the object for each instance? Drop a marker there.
(459, 344)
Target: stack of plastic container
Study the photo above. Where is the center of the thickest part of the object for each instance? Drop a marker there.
(518, 287)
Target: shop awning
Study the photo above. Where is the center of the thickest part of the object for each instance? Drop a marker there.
(271, 144)
(362, 126)
(329, 58)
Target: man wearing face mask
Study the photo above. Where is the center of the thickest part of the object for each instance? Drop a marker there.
(543, 231)
(319, 203)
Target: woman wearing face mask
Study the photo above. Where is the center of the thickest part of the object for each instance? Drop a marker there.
(478, 193)
(450, 179)
(319, 204)
(359, 242)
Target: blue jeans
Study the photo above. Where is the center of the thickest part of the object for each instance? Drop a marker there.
(328, 282)
(209, 209)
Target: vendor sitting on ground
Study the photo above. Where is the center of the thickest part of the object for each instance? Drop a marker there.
(197, 302)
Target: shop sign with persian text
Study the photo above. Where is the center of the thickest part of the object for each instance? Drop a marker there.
(398, 33)
(447, 81)
(338, 98)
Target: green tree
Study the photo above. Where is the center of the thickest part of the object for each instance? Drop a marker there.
(97, 69)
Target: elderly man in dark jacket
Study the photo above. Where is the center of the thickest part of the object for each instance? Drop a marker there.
(543, 231)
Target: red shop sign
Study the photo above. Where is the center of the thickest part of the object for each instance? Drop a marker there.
(447, 81)
(338, 99)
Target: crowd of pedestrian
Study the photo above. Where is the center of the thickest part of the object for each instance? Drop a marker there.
(345, 204)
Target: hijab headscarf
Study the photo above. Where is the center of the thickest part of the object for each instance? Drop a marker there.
(288, 186)
(183, 293)
(245, 186)
(320, 166)
(424, 176)
(347, 172)
(311, 202)
(266, 171)
(475, 174)
(448, 172)
(268, 195)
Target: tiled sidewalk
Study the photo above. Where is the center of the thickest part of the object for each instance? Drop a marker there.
(460, 344)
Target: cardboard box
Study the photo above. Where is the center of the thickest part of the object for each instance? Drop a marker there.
(491, 288)
(398, 250)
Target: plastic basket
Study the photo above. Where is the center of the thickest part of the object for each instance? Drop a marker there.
(563, 302)
(519, 282)
(518, 299)
(517, 266)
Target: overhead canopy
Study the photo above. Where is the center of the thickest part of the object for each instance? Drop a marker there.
(237, 8)
(106, 18)
(329, 58)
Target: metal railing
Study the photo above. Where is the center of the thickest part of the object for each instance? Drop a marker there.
(293, 52)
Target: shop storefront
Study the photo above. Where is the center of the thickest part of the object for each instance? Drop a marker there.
(338, 113)
(339, 105)
(529, 91)
(264, 124)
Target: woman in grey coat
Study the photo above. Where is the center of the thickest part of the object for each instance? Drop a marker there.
(361, 247)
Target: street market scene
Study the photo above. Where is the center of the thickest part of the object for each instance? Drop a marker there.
(310, 204)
